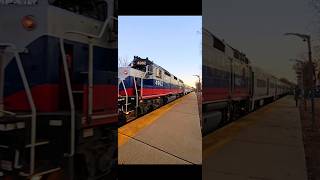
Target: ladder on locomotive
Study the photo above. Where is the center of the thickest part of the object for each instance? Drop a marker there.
(71, 91)
(19, 125)
(138, 91)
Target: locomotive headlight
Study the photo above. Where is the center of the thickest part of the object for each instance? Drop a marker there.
(29, 22)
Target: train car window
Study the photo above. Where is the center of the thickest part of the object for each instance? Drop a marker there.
(236, 54)
(167, 73)
(218, 44)
(271, 85)
(97, 9)
(246, 60)
(261, 83)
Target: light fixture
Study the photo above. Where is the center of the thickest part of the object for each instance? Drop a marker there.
(28, 22)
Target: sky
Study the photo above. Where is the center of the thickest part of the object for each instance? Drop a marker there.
(256, 27)
(172, 42)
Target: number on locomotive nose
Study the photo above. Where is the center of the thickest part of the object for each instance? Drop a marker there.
(159, 83)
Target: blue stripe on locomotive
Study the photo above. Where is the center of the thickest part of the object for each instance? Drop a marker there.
(215, 78)
(147, 83)
(41, 64)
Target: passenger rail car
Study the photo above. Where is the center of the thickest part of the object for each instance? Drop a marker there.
(58, 87)
(144, 86)
(187, 89)
(231, 86)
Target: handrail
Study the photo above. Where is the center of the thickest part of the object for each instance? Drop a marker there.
(90, 76)
(1, 84)
(125, 90)
(137, 95)
(71, 100)
(31, 103)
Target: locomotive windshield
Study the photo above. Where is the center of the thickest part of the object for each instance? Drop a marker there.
(141, 64)
(97, 9)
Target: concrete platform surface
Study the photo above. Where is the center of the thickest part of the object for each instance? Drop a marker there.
(168, 135)
(266, 144)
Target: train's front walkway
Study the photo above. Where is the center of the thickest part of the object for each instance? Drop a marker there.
(266, 144)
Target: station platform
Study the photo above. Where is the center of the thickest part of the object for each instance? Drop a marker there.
(266, 144)
(168, 135)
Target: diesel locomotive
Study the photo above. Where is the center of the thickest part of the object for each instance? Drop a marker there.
(231, 85)
(145, 86)
(58, 83)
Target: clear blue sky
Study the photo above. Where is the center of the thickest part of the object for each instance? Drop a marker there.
(257, 28)
(173, 42)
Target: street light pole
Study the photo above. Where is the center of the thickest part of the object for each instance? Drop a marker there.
(198, 88)
(299, 70)
(311, 89)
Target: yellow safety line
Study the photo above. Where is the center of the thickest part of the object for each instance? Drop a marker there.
(216, 140)
(132, 128)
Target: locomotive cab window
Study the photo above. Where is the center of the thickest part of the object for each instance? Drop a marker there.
(167, 73)
(97, 9)
(236, 54)
(218, 44)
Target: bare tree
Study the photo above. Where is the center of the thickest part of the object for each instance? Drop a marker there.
(123, 62)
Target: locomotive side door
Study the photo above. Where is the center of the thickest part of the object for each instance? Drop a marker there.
(63, 92)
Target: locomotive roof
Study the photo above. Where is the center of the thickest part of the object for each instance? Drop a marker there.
(144, 62)
(138, 61)
(241, 56)
(236, 53)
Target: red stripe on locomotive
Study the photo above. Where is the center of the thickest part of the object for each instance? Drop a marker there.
(151, 92)
(214, 94)
(46, 99)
